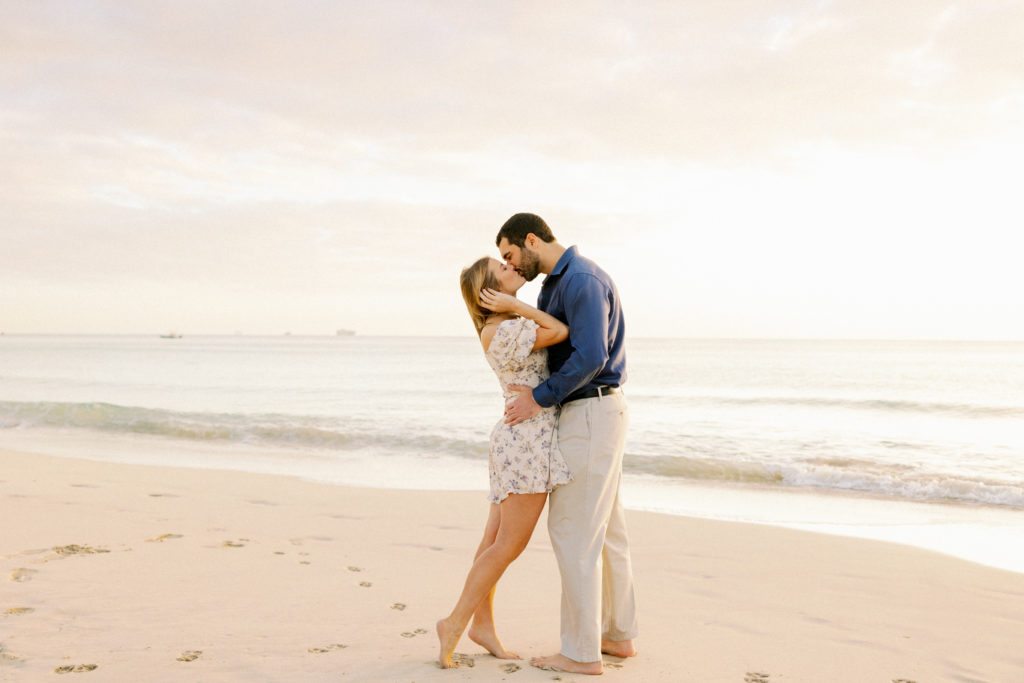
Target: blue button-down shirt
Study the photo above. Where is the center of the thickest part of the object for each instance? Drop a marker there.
(582, 295)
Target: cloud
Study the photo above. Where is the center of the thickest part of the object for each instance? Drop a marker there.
(284, 151)
(734, 80)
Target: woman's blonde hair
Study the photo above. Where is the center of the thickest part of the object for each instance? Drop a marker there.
(473, 280)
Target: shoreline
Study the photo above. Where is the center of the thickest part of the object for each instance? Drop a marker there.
(990, 535)
(987, 535)
(264, 575)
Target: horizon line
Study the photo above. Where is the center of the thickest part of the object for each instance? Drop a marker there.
(459, 336)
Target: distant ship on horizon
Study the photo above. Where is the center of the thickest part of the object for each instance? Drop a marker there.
(345, 333)
(171, 335)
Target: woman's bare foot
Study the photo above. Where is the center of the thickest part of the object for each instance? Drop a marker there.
(559, 662)
(448, 640)
(488, 639)
(618, 648)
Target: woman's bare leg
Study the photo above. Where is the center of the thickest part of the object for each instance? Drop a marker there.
(481, 628)
(516, 520)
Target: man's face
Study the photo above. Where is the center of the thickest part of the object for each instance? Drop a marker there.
(523, 259)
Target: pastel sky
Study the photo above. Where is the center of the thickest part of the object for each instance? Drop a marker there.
(768, 168)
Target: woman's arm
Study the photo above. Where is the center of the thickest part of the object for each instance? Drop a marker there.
(551, 330)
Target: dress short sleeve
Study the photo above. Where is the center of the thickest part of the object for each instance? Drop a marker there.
(513, 341)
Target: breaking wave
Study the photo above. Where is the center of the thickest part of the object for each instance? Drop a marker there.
(861, 475)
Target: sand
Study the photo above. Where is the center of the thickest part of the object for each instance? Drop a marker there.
(113, 572)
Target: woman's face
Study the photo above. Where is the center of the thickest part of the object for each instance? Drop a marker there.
(509, 281)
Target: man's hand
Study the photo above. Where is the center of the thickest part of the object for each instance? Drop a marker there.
(523, 408)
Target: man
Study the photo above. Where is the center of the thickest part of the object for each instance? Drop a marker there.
(585, 517)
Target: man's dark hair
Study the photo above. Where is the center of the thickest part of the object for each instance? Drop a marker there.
(519, 226)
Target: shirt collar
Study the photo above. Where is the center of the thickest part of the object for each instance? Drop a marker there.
(563, 262)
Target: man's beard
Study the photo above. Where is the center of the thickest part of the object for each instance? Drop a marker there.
(529, 264)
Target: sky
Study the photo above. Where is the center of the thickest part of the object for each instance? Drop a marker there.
(741, 168)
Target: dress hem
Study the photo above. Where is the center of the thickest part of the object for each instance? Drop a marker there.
(506, 494)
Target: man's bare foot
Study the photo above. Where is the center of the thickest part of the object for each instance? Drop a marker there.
(618, 648)
(488, 639)
(559, 662)
(448, 640)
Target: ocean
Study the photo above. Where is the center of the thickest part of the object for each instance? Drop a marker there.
(915, 442)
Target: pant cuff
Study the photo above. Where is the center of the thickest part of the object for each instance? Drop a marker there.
(617, 636)
(581, 655)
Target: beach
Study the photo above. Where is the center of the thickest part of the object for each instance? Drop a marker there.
(166, 573)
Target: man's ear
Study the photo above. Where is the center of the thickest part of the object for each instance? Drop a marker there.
(531, 241)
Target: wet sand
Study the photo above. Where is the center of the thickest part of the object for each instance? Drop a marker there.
(113, 572)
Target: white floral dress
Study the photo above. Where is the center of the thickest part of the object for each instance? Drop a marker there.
(524, 458)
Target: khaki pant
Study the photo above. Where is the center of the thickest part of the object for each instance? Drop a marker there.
(588, 528)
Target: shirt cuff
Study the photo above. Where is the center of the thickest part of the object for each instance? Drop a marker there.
(543, 395)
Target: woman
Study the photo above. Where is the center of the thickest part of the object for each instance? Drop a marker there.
(525, 463)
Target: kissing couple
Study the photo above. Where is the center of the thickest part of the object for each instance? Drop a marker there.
(561, 367)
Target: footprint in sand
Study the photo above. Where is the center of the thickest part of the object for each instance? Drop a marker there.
(163, 537)
(413, 634)
(398, 606)
(75, 549)
(902, 680)
(755, 677)
(613, 665)
(21, 574)
(327, 648)
(232, 544)
(355, 569)
(6, 656)
(78, 668)
(510, 668)
(20, 610)
(189, 655)
(463, 660)
(365, 584)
